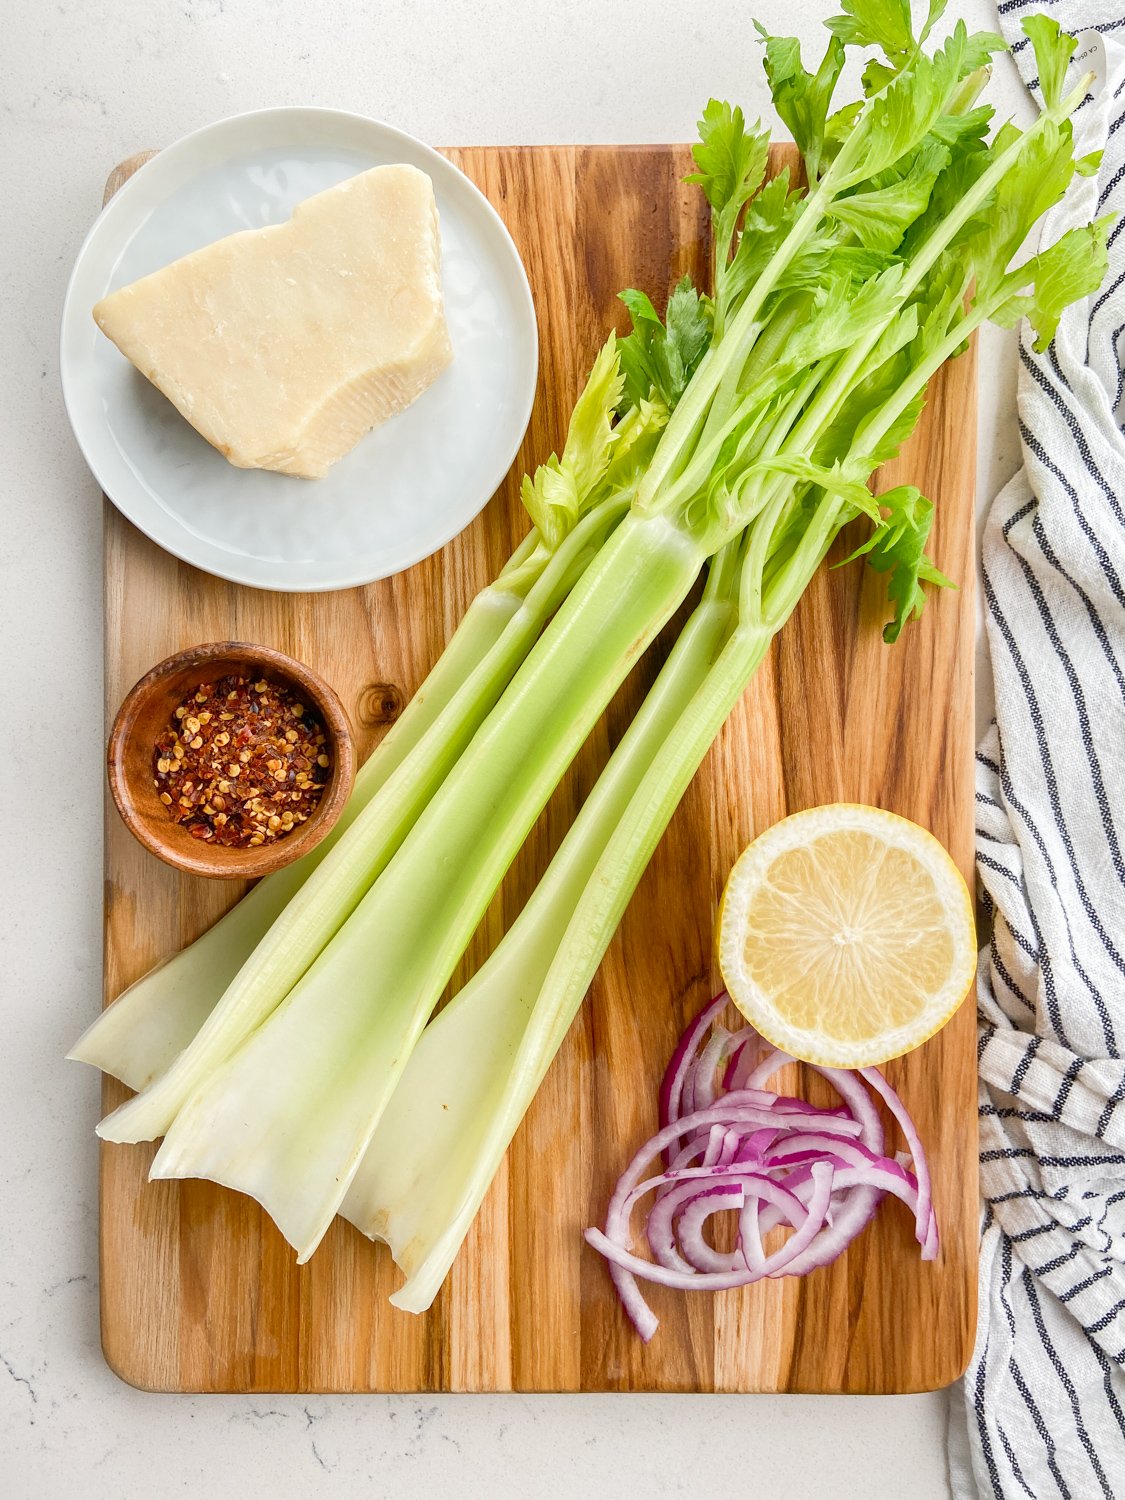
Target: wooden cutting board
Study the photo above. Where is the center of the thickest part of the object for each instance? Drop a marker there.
(198, 1290)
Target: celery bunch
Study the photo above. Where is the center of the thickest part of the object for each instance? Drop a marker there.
(736, 436)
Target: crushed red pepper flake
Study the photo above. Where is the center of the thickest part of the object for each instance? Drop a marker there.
(256, 734)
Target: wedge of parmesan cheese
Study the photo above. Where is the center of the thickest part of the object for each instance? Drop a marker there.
(283, 346)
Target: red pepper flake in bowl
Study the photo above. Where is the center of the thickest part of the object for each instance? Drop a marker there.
(242, 762)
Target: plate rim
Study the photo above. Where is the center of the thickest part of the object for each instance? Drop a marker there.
(166, 155)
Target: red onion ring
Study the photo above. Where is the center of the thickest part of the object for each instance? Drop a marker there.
(727, 1144)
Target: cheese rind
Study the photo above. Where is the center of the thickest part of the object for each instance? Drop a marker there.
(283, 346)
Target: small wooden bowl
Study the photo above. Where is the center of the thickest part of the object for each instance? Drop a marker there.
(147, 711)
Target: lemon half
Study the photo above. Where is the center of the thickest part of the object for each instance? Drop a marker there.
(846, 935)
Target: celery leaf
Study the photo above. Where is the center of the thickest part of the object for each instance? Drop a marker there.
(662, 357)
(876, 23)
(836, 479)
(732, 163)
(842, 314)
(881, 211)
(895, 121)
(1053, 50)
(899, 117)
(687, 321)
(1037, 181)
(557, 495)
(897, 546)
(590, 437)
(1072, 268)
(801, 98)
(769, 218)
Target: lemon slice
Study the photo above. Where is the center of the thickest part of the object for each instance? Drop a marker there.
(846, 935)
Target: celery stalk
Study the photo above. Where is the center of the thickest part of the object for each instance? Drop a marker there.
(333, 890)
(460, 1101)
(355, 1017)
(143, 1031)
(139, 1037)
(422, 1201)
(464, 1089)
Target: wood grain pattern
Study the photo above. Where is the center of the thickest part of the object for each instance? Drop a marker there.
(200, 1293)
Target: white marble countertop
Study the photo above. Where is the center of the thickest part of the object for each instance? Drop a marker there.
(81, 86)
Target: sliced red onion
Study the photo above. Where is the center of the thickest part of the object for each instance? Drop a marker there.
(722, 1281)
(660, 1230)
(642, 1317)
(750, 1231)
(771, 1063)
(927, 1219)
(705, 1082)
(729, 1144)
(683, 1060)
(698, 1208)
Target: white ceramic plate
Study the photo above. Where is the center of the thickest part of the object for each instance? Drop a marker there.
(406, 488)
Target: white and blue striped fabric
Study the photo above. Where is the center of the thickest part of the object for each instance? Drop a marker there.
(1041, 1411)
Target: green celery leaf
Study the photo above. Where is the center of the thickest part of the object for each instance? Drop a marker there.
(877, 388)
(890, 444)
(769, 217)
(658, 358)
(732, 163)
(898, 546)
(969, 159)
(635, 439)
(1053, 50)
(939, 302)
(899, 333)
(876, 75)
(1036, 182)
(973, 49)
(906, 507)
(965, 130)
(881, 211)
(774, 210)
(557, 494)
(1072, 268)
(688, 322)
(802, 99)
(819, 264)
(639, 362)
(859, 262)
(549, 498)
(837, 479)
(839, 315)
(898, 119)
(904, 345)
(1087, 166)
(839, 128)
(590, 436)
(727, 156)
(970, 50)
(895, 121)
(842, 315)
(876, 23)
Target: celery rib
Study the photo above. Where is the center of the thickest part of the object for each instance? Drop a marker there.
(334, 890)
(359, 1010)
(148, 1025)
(449, 1121)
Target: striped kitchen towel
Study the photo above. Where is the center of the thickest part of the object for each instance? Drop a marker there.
(1041, 1411)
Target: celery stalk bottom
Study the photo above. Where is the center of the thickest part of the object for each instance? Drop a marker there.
(289, 1116)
